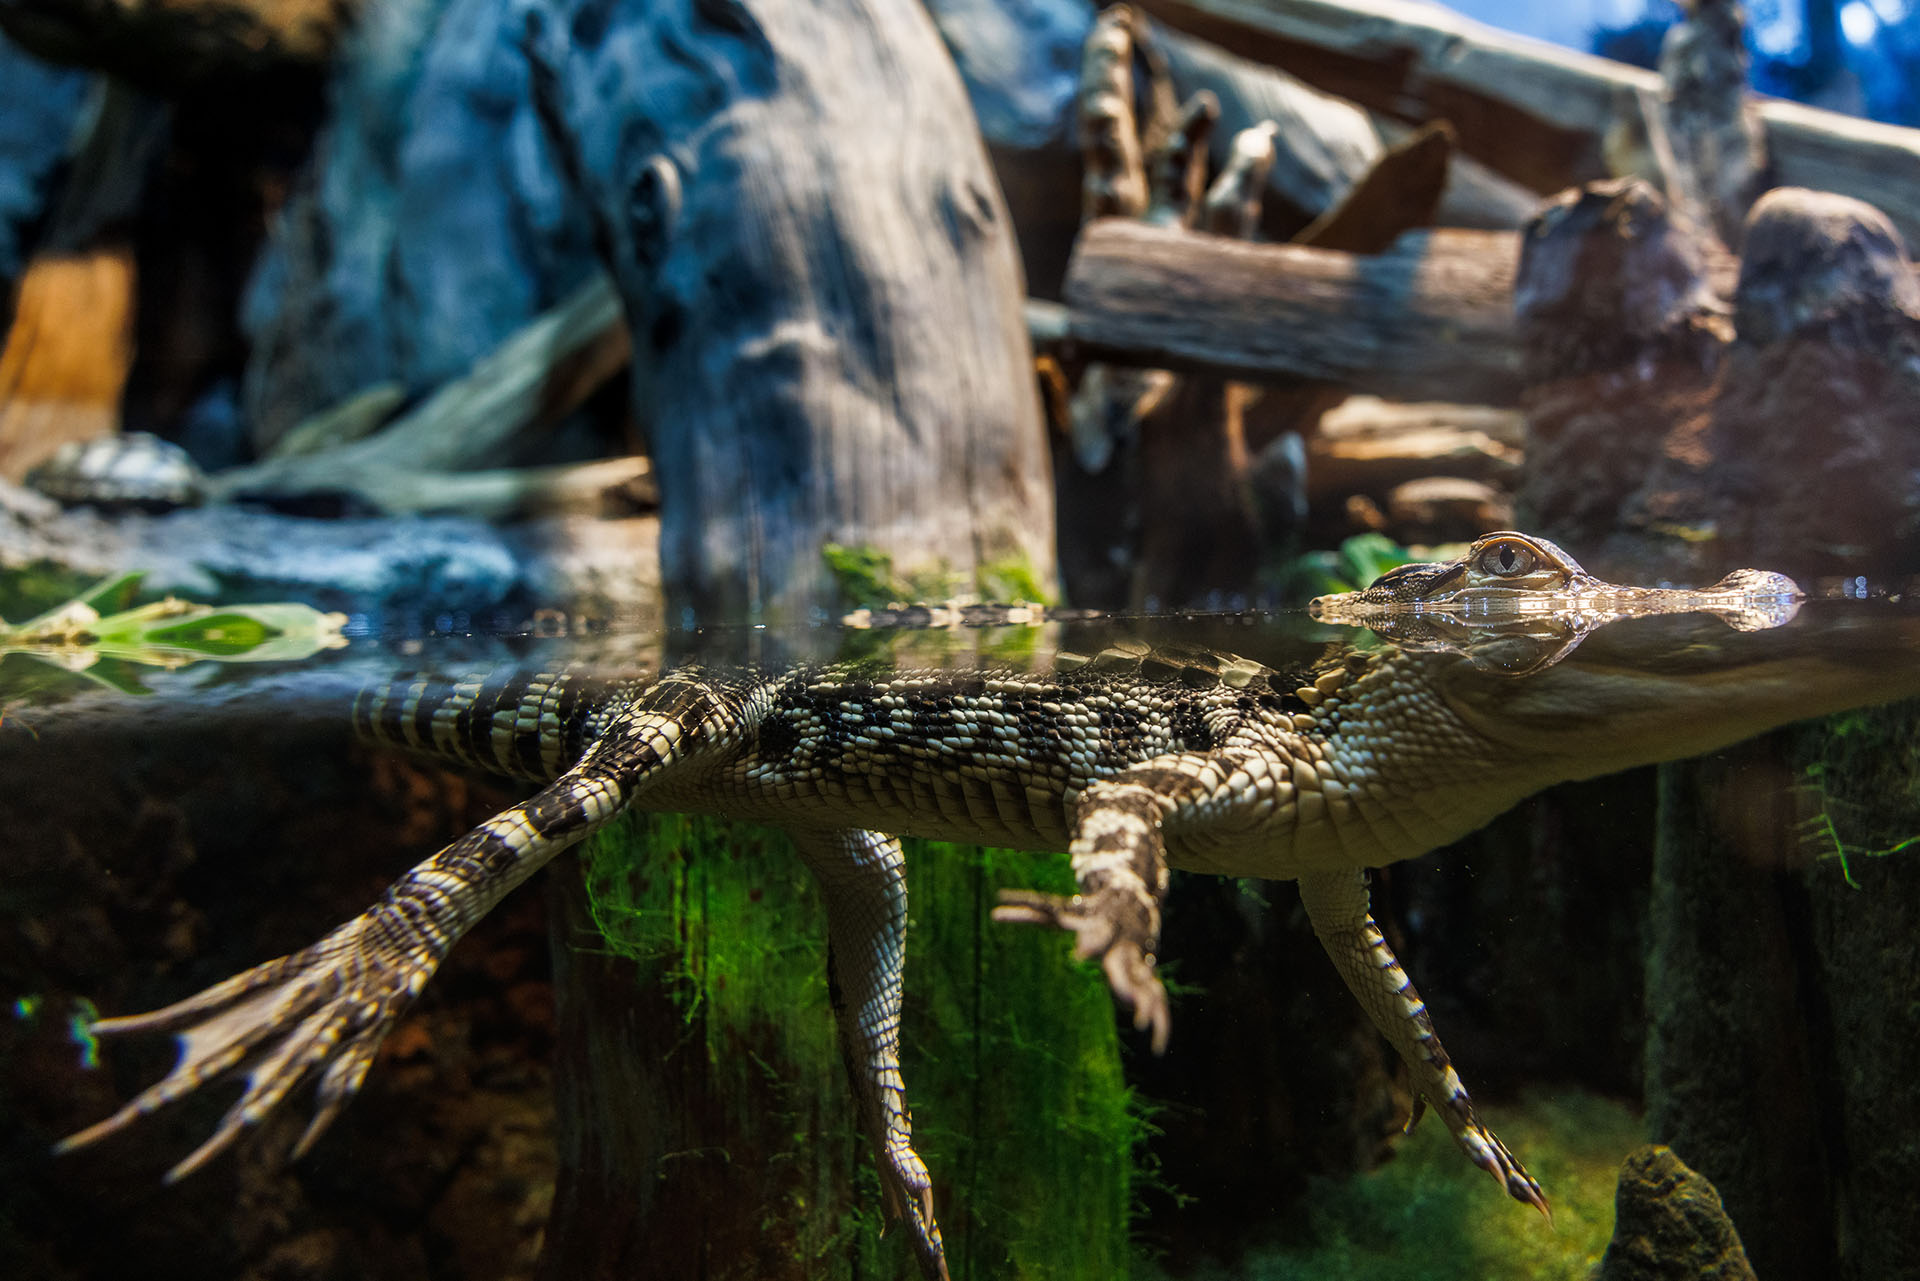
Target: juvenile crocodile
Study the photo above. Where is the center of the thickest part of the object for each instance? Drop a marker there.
(1134, 760)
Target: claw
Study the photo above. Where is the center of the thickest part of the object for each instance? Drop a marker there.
(1486, 1150)
(1127, 965)
(324, 1009)
(908, 1190)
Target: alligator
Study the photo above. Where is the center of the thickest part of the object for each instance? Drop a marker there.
(1134, 759)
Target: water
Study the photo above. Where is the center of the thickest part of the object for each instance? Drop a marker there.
(156, 844)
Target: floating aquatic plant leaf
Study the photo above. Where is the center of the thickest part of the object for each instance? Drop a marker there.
(76, 636)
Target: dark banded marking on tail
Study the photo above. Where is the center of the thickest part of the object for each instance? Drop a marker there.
(525, 726)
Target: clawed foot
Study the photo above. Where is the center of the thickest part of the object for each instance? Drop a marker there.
(1486, 1150)
(1098, 924)
(324, 1009)
(907, 1189)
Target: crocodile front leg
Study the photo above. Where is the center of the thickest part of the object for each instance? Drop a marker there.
(1337, 903)
(1119, 854)
(325, 1009)
(862, 876)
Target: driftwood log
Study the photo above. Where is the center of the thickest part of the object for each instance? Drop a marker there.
(826, 354)
(1429, 319)
(1541, 115)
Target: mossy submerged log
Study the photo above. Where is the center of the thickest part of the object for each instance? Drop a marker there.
(1782, 985)
(710, 936)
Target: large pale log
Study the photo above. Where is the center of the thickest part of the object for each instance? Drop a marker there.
(823, 291)
(1535, 112)
(822, 288)
(1430, 319)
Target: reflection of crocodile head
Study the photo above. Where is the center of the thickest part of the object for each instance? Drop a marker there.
(1515, 603)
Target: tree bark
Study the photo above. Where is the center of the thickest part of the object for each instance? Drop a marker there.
(821, 283)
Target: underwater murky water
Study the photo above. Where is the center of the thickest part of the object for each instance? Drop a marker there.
(1592, 981)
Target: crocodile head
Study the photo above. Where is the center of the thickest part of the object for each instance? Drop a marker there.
(1516, 603)
(1660, 672)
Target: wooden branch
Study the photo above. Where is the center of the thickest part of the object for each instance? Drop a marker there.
(524, 385)
(1233, 203)
(607, 487)
(1431, 318)
(1114, 175)
(1177, 164)
(1537, 113)
(1711, 132)
(1399, 194)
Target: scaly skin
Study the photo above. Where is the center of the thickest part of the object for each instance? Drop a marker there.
(1133, 760)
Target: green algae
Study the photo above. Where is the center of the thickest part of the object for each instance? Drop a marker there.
(1861, 773)
(1430, 1213)
(1009, 1049)
(1012, 580)
(866, 577)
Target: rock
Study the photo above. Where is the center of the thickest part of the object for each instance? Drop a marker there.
(401, 574)
(1669, 1225)
(1607, 277)
(132, 470)
(1823, 266)
(1671, 435)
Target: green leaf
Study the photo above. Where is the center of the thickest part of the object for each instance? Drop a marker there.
(221, 635)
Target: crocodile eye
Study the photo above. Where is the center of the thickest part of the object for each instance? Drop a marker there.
(1507, 559)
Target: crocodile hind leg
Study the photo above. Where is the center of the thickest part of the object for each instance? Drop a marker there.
(326, 1008)
(323, 1011)
(862, 876)
(1337, 904)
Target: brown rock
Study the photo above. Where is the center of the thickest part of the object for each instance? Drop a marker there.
(1818, 265)
(1607, 276)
